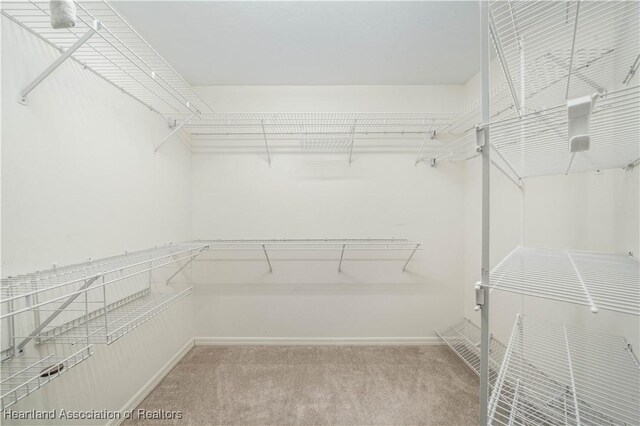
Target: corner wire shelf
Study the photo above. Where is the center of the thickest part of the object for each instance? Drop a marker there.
(598, 280)
(23, 375)
(553, 51)
(463, 338)
(116, 53)
(559, 374)
(339, 245)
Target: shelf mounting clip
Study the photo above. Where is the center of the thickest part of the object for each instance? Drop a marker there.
(95, 27)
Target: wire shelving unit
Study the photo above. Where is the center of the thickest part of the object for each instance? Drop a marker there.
(598, 280)
(338, 245)
(23, 375)
(114, 52)
(463, 338)
(552, 51)
(108, 324)
(316, 123)
(559, 374)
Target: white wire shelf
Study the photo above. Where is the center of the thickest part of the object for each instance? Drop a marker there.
(558, 374)
(339, 245)
(116, 53)
(598, 280)
(121, 317)
(22, 375)
(536, 144)
(60, 281)
(552, 51)
(463, 337)
(320, 123)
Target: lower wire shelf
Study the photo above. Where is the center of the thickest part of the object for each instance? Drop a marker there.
(463, 337)
(558, 374)
(108, 324)
(22, 375)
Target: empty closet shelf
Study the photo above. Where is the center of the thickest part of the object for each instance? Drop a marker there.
(106, 325)
(463, 337)
(317, 123)
(558, 374)
(22, 375)
(115, 52)
(553, 51)
(60, 283)
(598, 280)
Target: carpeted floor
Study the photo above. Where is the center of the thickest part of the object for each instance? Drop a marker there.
(314, 385)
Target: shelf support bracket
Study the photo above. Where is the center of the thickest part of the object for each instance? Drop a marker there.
(184, 265)
(22, 98)
(404, 268)
(175, 130)
(62, 307)
(264, 249)
(571, 376)
(573, 47)
(266, 144)
(431, 135)
(341, 257)
(353, 136)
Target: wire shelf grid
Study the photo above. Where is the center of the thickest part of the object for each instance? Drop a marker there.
(559, 374)
(320, 123)
(62, 280)
(108, 324)
(311, 244)
(116, 53)
(598, 280)
(463, 338)
(553, 51)
(537, 144)
(22, 375)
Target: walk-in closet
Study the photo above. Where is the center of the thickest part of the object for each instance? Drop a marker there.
(320, 212)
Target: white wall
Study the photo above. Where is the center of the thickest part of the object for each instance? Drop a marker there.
(80, 179)
(318, 196)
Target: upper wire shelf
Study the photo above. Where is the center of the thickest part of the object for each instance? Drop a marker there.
(23, 375)
(463, 337)
(116, 53)
(312, 244)
(598, 280)
(319, 123)
(552, 51)
(59, 283)
(559, 374)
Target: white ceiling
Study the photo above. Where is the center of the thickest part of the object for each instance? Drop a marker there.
(312, 42)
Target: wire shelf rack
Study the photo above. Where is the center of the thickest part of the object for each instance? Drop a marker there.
(598, 280)
(116, 53)
(326, 144)
(558, 374)
(463, 337)
(553, 51)
(23, 375)
(320, 123)
(108, 324)
(536, 144)
(339, 245)
(61, 281)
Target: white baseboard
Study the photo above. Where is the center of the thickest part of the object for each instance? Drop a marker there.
(413, 341)
(152, 383)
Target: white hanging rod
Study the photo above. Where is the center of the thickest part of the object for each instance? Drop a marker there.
(598, 280)
(566, 375)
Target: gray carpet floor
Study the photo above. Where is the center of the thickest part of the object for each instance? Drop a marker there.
(318, 385)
